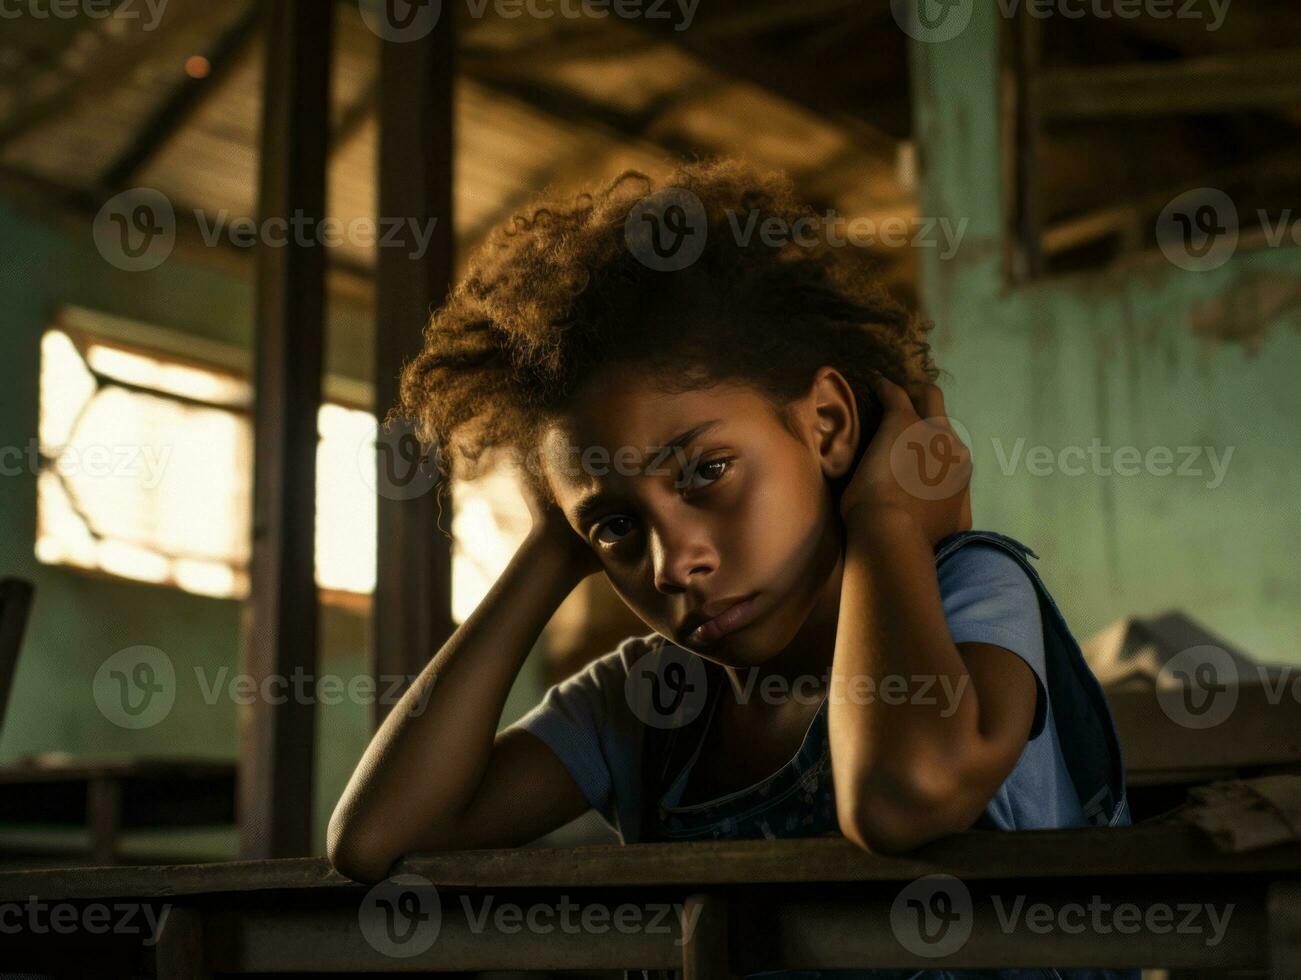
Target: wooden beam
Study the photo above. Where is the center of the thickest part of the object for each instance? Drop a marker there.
(1027, 96)
(812, 90)
(179, 107)
(179, 953)
(413, 590)
(277, 740)
(1258, 80)
(124, 44)
(74, 211)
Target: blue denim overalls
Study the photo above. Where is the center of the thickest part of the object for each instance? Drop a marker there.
(799, 799)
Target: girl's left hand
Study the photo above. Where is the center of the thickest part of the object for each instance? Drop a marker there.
(915, 465)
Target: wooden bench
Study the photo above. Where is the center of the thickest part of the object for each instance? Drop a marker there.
(1014, 899)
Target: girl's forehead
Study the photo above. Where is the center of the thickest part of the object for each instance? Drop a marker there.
(646, 415)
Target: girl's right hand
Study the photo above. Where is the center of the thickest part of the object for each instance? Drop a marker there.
(551, 529)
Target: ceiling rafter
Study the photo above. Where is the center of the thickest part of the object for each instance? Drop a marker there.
(182, 104)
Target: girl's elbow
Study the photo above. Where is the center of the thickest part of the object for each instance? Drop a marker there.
(352, 855)
(354, 863)
(889, 816)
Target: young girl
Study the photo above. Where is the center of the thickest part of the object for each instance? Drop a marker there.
(741, 435)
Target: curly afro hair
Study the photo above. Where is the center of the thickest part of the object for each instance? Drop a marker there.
(557, 293)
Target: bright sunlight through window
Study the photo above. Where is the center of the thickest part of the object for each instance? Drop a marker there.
(145, 470)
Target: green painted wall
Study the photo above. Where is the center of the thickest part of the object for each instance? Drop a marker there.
(1131, 359)
(79, 620)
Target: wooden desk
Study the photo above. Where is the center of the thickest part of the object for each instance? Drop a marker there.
(111, 796)
(812, 903)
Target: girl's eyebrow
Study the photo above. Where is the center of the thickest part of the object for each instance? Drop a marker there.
(587, 506)
(590, 503)
(686, 438)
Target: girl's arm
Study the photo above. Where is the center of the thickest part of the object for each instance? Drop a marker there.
(437, 776)
(909, 764)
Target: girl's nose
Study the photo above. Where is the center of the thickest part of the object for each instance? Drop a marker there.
(681, 557)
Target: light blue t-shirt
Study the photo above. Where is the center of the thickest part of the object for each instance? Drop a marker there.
(588, 723)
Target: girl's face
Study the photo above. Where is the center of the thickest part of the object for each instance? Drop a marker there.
(703, 503)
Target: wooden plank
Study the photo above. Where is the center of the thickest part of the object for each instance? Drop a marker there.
(73, 210)
(412, 613)
(104, 818)
(1026, 924)
(332, 940)
(996, 927)
(1263, 728)
(179, 953)
(1197, 86)
(1284, 911)
(1154, 850)
(277, 740)
(704, 937)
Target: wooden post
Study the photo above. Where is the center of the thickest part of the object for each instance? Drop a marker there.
(1283, 909)
(277, 740)
(413, 589)
(179, 954)
(704, 938)
(104, 817)
(1027, 41)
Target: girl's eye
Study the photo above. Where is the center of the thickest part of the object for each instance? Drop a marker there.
(613, 530)
(708, 472)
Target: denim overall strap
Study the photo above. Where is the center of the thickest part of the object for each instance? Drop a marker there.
(1089, 743)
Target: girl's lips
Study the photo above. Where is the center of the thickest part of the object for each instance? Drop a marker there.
(728, 621)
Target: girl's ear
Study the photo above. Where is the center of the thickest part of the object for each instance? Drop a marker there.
(833, 414)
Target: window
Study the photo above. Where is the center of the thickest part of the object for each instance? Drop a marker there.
(1147, 129)
(146, 461)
